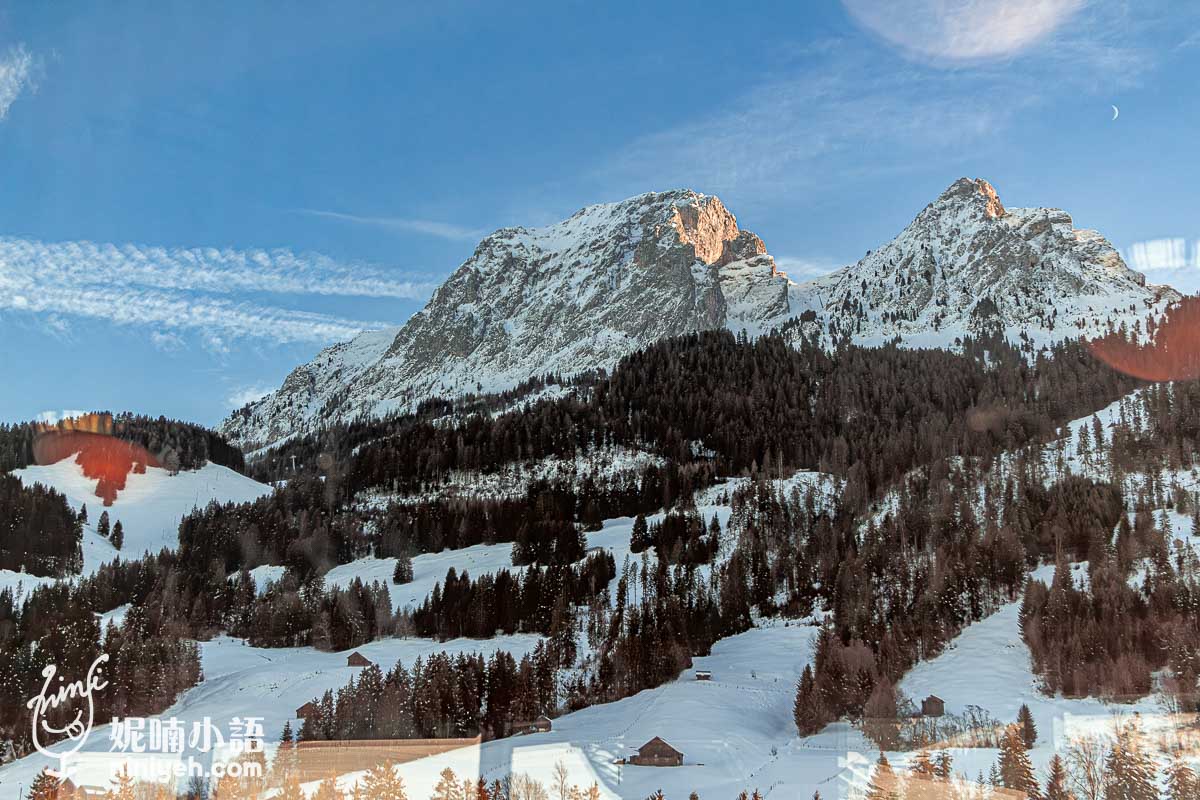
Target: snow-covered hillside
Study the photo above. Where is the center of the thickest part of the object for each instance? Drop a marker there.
(967, 265)
(241, 681)
(566, 298)
(616, 277)
(149, 507)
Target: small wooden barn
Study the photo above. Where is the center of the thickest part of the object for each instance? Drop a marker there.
(933, 706)
(703, 675)
(357, 659)
(657, 753)
(307, 710)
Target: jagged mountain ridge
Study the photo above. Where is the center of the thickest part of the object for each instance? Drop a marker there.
(616, 277)
(967, 265)
(566, 298)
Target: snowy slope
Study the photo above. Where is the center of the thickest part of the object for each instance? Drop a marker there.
(240, 681)
(150, 507)
(967, 265)
(566, 298)
(616, 277)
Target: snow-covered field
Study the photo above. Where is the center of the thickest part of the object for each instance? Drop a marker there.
(149, 507)
(244, 681)
(988, 665)
(735, 731)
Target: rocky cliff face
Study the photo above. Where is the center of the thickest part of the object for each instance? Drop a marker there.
(967, 265)
(615, 277)
(566, 298)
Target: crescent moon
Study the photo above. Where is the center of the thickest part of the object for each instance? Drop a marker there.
(1116, 112)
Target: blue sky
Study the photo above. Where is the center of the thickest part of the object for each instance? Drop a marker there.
(197, 197)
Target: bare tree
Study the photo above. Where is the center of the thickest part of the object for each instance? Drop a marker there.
(561, 780)
(1085, 762)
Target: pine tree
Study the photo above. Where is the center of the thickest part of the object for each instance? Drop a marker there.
(382, 783)
(102, 527)
(83, 513)
(807, 709)
(45, 787)
(404, 569)
(447, 787)
(291, 789)
(943, 765)
(118, 535)
(919, 786)
(1028, 728)
(1181, 780)
(883, 781)
(123, 788)
(328, 790)
(1016, 770)
(1130, 773)
(1056, 780)
(639, 539)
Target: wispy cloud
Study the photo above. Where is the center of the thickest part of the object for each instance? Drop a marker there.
(1157, 255)
(174, 291)
(790, 133)
(203, 269)
(963, 31)
(442, 230)
(847, 108)
(17, 68)
(216, 318)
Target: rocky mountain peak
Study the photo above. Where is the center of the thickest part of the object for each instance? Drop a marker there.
(573, 296)
(967, 265)
(615, 277)
(974, 194)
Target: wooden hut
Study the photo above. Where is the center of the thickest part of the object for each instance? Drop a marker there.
(357, 659)
(657, 753)
(933, 706)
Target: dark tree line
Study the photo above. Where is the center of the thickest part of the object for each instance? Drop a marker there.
(535, 601)
(150, 659)
(175, 444)
(679, 538)
(442, 696)
(39, 532)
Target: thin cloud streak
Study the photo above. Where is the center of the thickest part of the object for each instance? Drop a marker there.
(218, 320)
(847, 109)
(441, 230)
(199, 290)
(792, 133)
(199, 269)
(16, 75)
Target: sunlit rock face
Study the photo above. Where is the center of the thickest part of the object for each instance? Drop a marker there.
(616, 277)
(566, 298)
(967, 265)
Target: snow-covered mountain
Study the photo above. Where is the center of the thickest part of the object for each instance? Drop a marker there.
(616, 277)
(565, 298)
(967, 265)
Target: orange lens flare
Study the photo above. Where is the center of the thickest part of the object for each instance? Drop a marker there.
(103, 457)
(1171, 354)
